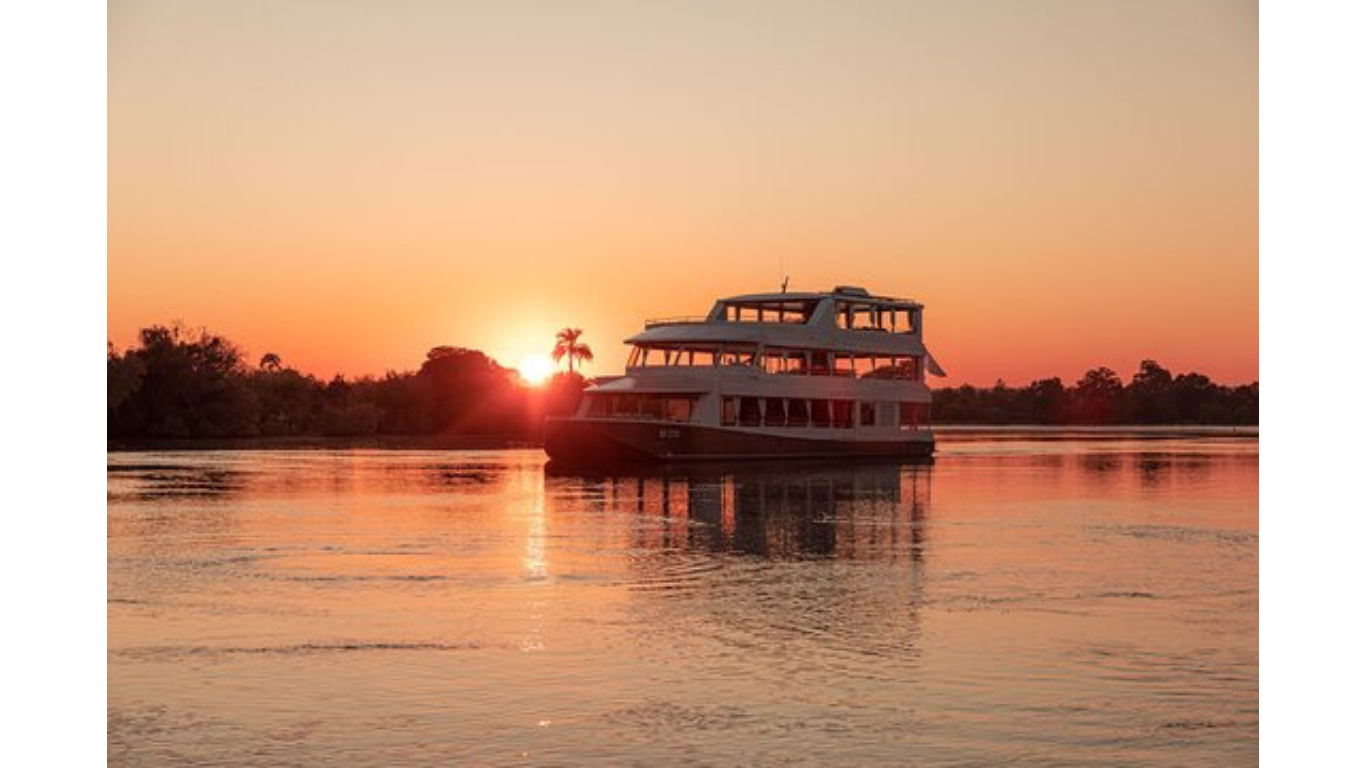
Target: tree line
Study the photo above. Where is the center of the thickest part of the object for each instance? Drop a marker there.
(176, 383)
(1153, 396)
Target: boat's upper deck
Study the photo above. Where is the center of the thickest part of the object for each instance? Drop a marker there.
(845, 319)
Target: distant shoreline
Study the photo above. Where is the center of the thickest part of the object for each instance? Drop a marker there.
(1098, 431)
(947, 433)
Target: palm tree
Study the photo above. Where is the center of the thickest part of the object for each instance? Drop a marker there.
(567, 346)
(270, 362)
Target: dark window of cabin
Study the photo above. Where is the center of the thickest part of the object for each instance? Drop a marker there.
(796, 413)
(867, 415)
(749, 412)
(820, 363)
(914, 415)
(729, 406)
(842, 414)
(678, 409)
(775, 415)
(598, 405)
(820, 413)
(653, 407)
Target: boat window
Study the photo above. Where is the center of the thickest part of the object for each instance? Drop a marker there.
(858, 317)
(784, 361)
(729, 410)
(636, 406)
(906, 321)
(749, 412)
(842, 414)
(678, 409)
(774, 361)
(643, 356)
(820, 413)
(855, 316)
(738, 356)
(820, 363)
(775, 414)
(796, 413)
(863, 365)
(844, 365)
(914, 415)
(884, 367)
(652, 407)
(774, 311)
(867, 415)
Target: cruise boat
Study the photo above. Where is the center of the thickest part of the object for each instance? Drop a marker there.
(763, 376)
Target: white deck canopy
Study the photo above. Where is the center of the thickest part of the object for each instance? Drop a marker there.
(845, 320)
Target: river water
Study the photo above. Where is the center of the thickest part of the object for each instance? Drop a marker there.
(1030, 598)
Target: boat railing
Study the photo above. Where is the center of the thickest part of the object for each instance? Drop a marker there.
(656, 322)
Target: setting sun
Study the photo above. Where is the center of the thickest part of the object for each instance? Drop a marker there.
(535, 369)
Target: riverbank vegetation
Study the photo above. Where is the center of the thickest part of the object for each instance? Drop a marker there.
(180, 384)
(1153, 396)
(177, 383)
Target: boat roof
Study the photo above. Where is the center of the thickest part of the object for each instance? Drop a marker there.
(793, 335)
(848, 292)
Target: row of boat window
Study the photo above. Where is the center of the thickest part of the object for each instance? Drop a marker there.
(834, 414)
(790, 361)
(662, 407)
(765, 411)
(848, 315)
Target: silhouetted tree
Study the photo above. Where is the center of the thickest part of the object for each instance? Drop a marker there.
(1097, 397)
(123, 377)
(192, 386)
(1048, 402)
(1149, 395)
(568, 346)
(471, 394)
(289, 401)
(269, 362)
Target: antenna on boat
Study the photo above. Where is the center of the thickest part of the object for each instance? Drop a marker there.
(785, 279)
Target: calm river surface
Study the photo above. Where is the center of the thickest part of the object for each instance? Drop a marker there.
(1027, 599)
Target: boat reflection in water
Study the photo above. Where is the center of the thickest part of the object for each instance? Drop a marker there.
(765, 574)
(780, 510)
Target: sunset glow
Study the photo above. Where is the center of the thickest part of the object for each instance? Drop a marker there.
(535, 369)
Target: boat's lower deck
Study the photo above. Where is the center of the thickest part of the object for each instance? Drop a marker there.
(620, 441)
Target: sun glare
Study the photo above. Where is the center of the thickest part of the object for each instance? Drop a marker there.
(535, 369)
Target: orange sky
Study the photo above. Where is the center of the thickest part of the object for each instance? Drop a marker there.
(1063, 184)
